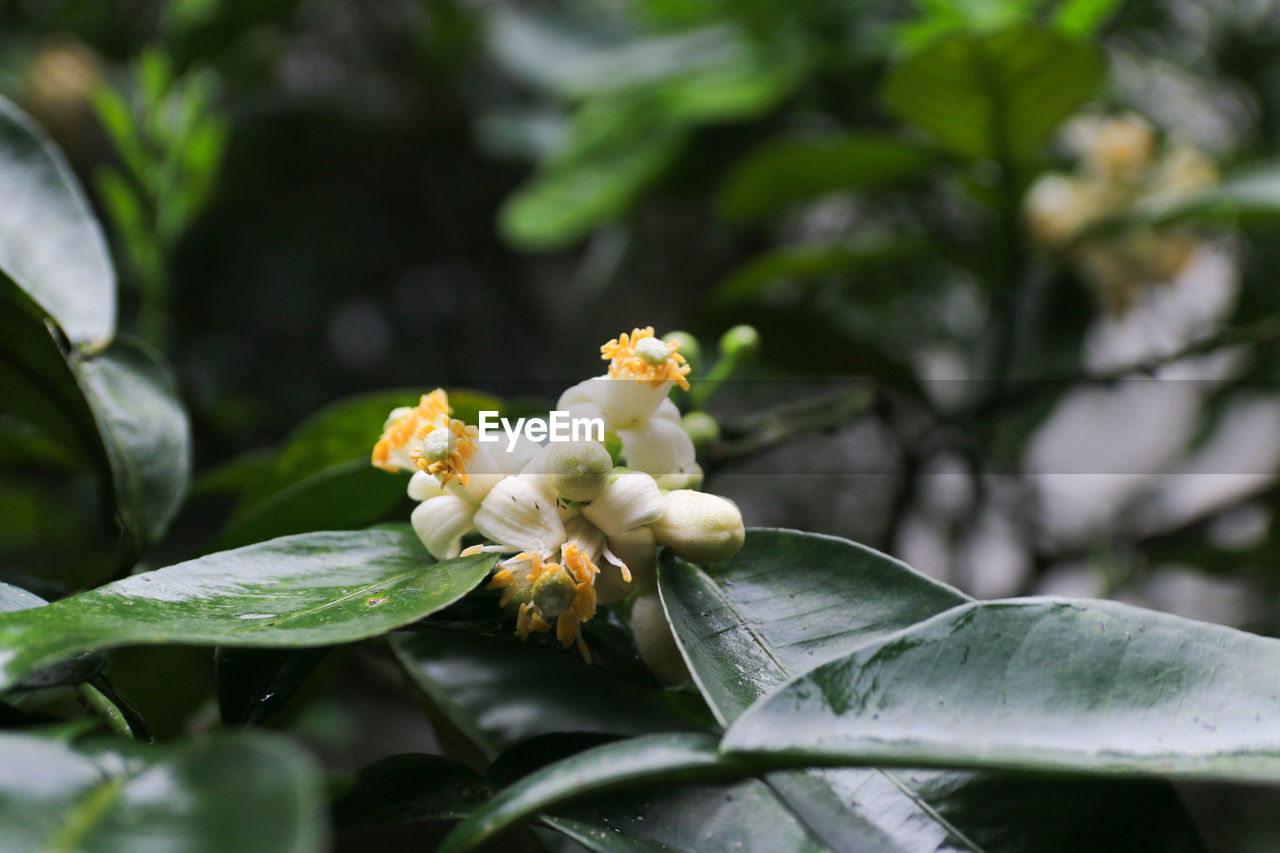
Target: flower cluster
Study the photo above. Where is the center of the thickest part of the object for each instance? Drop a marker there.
(1121, 166)
(582, 524)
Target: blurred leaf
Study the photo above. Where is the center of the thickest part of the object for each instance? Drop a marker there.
(997, 96)
(1083, 17)
(322, 478)
(1246, 196)
(498, 690)
(410, 788)
(299, 591)
(786, 171)
(253, 684)
(225, 792)
(807, 261)
(645, 760)
(1043, 685)
(566, 201)
(50, 244)
(788, 602)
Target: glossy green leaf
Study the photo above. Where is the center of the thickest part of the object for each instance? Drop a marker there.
(307, 590)
(789, 602)
(410, 788)
(1046, 685)
(71, 671)
(786, 171)
(255, 683)
(498, 690)
(229, 792)
(646, 760)
(144, 433)
(50, 243)
(998, 95)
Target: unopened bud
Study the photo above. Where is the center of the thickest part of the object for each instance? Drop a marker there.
(740, 343)
(579, 470)
(699, 527)
(655, 642)
(553, 592)
(689, 346)
(701, 427)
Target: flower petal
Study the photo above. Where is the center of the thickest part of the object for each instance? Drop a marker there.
(517, 515)
(659, 447)
(632, 500)
(441, 522)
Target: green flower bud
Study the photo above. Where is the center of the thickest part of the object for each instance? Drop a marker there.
(553, 592)
(689, 346)
(579, 470)
(699, 527)
(702, 428)
(655, 642)
(741, 343)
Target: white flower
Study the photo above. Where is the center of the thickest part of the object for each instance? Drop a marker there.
(632, 500)
(632, 401)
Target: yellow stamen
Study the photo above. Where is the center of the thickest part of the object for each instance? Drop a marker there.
(472, 550)
(432, 409)
(625, 363)
(567, 629)
(462, 447)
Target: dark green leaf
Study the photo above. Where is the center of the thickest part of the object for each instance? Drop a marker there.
(307, 590)
(144, 433)
(786, 171)
(230, 792)
(410, 788)
(499, 691)
(50, 244)
(790, 264)
(647, 760)
(255, 683)
(995, 96)
(1045, 685)
(787, 603)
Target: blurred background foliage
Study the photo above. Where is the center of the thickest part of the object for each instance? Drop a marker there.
(955, 224)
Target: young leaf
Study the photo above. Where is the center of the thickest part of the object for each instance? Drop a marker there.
(995, 96)
(1044, 685)
(227, 792)
(298, 591)
(50, 243)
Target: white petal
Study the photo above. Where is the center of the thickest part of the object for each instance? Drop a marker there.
(588, 391)
(628, 403)
(589, 537)
(632, 500)
(667, 409)
(659, 447)
(517, 515)
(441, 522)
(424, 486)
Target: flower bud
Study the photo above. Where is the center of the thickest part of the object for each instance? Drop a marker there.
(655, 642)
(689, 346)
(740, 343)
(553, 592)
(699, 527)
(689, 477)
(701, 427)
(579, 470)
